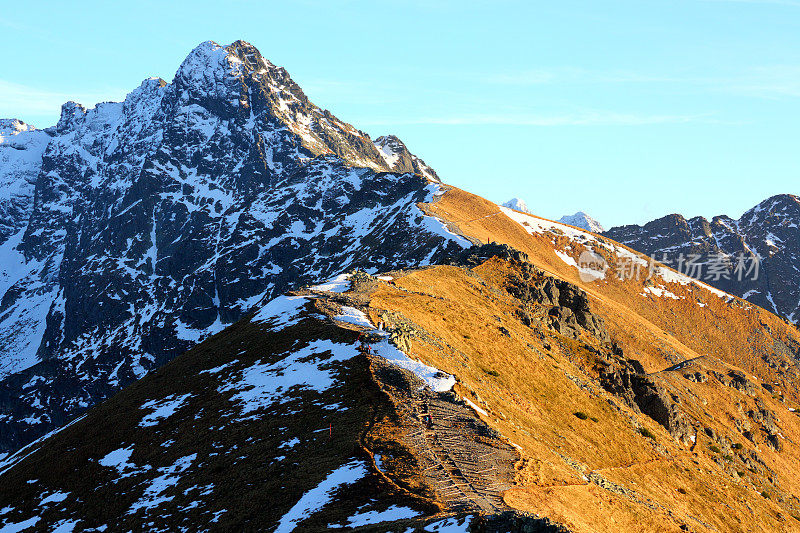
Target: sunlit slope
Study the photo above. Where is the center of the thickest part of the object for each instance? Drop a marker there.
(663, 320)
(589, 459)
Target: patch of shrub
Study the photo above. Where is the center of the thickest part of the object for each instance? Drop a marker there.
(647, 433)
(581, 415)
(765, 494)
(736, 445)
(682, 490)
(740, 473)
(494, 373)
(594, 419)
(714, 448)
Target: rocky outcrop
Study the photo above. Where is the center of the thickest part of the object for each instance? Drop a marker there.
(476, 255)
(399, 159)
(516, 522)
(626, 379)
(558, 304)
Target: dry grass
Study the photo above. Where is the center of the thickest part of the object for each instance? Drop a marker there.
(536, 392)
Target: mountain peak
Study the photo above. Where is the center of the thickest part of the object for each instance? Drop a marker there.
(399, 159)
(71, 113)
(583, 221)
(13, 126)
(517, 204)
(228, 160)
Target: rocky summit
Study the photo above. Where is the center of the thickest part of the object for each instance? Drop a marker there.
(583, 221)
(135, 229)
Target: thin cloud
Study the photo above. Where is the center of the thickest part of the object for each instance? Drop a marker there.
(776, 81)
(595, 118)
(576, 75)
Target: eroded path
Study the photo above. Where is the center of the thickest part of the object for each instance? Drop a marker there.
(463, 460)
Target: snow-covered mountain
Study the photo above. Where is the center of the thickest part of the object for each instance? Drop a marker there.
(132, 230)
(517, 204)
(583, 221)
(755, 257)
(21, 149)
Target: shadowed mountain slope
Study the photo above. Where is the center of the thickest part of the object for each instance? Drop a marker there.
(136, 229)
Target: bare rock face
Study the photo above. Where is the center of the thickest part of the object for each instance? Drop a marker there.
(477, 254)
(697, 377)
(133, 230)
(517, 522)
(397, 157)
(740, 382)
(569, 312)
(626, 379)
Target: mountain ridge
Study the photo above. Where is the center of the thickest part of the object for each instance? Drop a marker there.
(762, 243)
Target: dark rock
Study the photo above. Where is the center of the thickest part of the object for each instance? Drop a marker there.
(516, 522)
(626, 379)
(696, 377)
(478, 254)
(740, 382)
(774, 442)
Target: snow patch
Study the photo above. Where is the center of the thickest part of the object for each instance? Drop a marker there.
(450, 525)
(319, 496)
(119, 459)
(162, 409)
(170, 476)
(19, 526)
(55, 497)
(264, 384)
(376, 517)
(475, 406)
(351, 315)
(340, 283)
(433, 377)
(661, 292)
(281, 312)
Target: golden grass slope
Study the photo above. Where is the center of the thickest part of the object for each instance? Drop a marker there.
(725, 481)
(616, 468)
(661, 330)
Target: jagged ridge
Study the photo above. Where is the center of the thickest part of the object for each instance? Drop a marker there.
(149, 224)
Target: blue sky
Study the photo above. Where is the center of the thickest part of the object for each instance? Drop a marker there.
(628, 110)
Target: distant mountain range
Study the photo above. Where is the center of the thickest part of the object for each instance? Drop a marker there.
(756, 257)
(583, 221)
(519, 205)
(579, 219)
